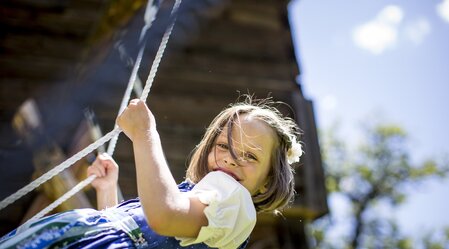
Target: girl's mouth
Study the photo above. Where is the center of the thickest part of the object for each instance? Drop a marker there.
(227, 172)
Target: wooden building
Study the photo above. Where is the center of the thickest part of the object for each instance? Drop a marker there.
(69, 56)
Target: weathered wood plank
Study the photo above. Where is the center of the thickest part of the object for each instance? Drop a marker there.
(191, 79)
(68, 22)
(42, 46)
(263, 15)
(34, 67)
(228, 65)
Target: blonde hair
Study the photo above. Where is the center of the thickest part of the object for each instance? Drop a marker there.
(280, 182)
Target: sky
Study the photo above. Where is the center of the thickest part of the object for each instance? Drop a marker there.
(387, 60)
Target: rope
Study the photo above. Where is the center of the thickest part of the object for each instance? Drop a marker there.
(160, 52)
(64, 197)
(126, 97)
(56, 170)
(150, 14)
(129, 63)
(152, 74)
(70, 161)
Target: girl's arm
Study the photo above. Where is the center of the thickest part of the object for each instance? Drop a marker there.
(168, 212)
(106, 170)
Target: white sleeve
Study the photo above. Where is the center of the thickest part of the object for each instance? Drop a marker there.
(230, 212)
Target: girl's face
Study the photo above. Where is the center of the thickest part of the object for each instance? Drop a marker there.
(253, 142)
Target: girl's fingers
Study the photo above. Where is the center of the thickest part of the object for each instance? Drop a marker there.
(134, 101)
(90, 171)
(93, 171)
(103, 166)
(102, 171)
(103, 157)
(98, 169)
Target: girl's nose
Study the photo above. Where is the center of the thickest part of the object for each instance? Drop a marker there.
(230, 162)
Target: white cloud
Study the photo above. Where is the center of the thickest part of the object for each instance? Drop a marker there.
(443, 10)
(375, 37)
(418, 30)
(380, 33)
(391, 14)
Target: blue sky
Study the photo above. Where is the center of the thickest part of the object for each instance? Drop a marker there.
(386, 60)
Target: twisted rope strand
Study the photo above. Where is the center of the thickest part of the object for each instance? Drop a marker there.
(56, 170)
(160, 52)
(149, 16)
(63, 198)
(125, 99)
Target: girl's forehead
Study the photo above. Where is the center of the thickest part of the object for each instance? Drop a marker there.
(250, 129)
(250, 122)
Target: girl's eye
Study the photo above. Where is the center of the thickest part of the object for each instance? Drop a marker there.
(223, 146)
(250, 156)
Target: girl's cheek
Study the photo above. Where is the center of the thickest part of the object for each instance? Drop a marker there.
(213, 158)
(218, 155)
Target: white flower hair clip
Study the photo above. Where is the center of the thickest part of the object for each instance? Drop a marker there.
(294, 152)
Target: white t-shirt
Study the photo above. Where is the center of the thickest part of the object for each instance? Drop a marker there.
(230, 212)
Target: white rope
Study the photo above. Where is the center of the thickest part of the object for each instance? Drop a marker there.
(113, 133)
(152, 74)
(160, 52)
(149, 16)
(129, 63)
(125, 100)
(64, 197)
(56, 170)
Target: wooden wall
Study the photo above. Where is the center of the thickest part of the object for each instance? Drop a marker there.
(219, 49)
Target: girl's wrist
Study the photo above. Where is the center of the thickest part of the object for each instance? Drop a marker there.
(145, 135)
(106, 189)
(107, 198)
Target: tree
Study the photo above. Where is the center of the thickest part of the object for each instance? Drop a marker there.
(376, 174)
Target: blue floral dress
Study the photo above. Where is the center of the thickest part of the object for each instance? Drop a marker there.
(123, 226)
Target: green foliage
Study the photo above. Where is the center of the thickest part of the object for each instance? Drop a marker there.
(405, 244)
(376, 173)
(436, 240)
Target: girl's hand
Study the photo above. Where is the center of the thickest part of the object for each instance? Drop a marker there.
(136, 119)
(106, 170)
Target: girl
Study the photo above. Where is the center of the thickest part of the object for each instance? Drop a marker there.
(241, 166)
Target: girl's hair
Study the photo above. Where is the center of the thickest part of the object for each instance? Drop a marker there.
(280, 184)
